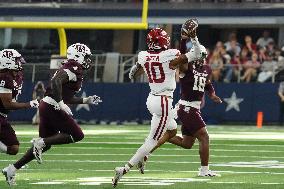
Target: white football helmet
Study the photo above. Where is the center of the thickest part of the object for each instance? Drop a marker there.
(203, 55)
(80, 53)
(11, 59)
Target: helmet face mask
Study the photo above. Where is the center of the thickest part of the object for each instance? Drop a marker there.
(80, 53)
(158, 39)
(11, 59)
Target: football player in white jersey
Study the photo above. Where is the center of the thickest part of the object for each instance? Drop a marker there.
(159, 63)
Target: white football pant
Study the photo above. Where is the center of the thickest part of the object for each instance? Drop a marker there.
(162, 120)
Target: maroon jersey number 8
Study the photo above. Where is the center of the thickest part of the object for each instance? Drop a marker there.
(151, 72)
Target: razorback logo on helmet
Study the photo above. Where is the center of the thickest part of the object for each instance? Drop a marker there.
(80, 48)
(7, 54)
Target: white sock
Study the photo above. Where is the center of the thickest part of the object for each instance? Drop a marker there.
(3, 147)
(12, 168)
(126, 167)
(143, 151)
(204, 168)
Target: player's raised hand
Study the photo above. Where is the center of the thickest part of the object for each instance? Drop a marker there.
(65, 108)
(34, 103)
(188, 29)
(92, 100)
(216, 99)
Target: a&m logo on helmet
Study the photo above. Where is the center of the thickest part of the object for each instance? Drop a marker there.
(7, 54)
(80, 48)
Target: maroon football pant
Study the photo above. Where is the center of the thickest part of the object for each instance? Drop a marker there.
(191, 120)
(7, 133)
(54, 121)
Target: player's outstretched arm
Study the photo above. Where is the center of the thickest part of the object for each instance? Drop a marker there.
(94, 99)
(209, 88)
(135, 71)
(8, 103)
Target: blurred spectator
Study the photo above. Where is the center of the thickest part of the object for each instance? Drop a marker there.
(232, 69)
(232, 36)
(270, 48)
(250, 68)
(216, 64)
(268, 67)
(262, 56)
(249, 44)
(245, 55)
(265, 39)
(38, 93)
(281, 96)
(233, 47)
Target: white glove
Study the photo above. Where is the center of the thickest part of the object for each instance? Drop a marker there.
(92, 100)
(34, 104)
(65, 108)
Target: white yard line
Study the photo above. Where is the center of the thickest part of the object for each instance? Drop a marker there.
(159, 155)
(166, 149)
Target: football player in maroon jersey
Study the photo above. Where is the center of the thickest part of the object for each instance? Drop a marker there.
(194, 81)
(10, 87)
(56, 123)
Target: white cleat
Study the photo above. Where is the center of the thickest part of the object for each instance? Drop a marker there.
(207, 173)
(119, 172)
(10, 174)
(141, 165)
(38, 146)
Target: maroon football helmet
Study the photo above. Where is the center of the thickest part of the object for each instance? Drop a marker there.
(158, 39)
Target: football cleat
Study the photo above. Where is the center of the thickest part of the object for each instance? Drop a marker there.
(141, 165)
(119, 172)
(207, 173)
(38, 145)
(10, 174)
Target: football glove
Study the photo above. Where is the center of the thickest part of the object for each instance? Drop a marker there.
(92, 100)
(65, 108)
(34, 104)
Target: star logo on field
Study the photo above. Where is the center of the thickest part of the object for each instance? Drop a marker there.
(84, 106)
(233, 102)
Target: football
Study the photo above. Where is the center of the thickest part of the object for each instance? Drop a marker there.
(189, 26)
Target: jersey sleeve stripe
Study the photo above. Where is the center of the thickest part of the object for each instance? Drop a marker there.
(5, 90)
(71, 75)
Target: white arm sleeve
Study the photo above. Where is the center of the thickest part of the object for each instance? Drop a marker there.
(133, 70)
(195, 52)
(5, 90)
(71, 75)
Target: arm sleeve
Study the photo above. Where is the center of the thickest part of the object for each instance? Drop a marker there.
(5, 90)
(209, 89)
(133, 70)
(195, 52)
(71, 75)
(280, 89)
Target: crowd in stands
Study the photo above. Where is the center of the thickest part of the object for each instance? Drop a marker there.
(258, 61)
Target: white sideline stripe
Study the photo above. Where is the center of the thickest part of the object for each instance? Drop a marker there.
(141, 141)
(160, 170)
(161, 155)
(166, 149)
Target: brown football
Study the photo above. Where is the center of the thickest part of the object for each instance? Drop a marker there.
(189, 26)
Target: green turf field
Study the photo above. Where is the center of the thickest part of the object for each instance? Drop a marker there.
(246, 157)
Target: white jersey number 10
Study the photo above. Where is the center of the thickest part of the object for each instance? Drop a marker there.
(155, 69)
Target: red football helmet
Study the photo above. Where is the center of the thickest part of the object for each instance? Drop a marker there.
(158, 39)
